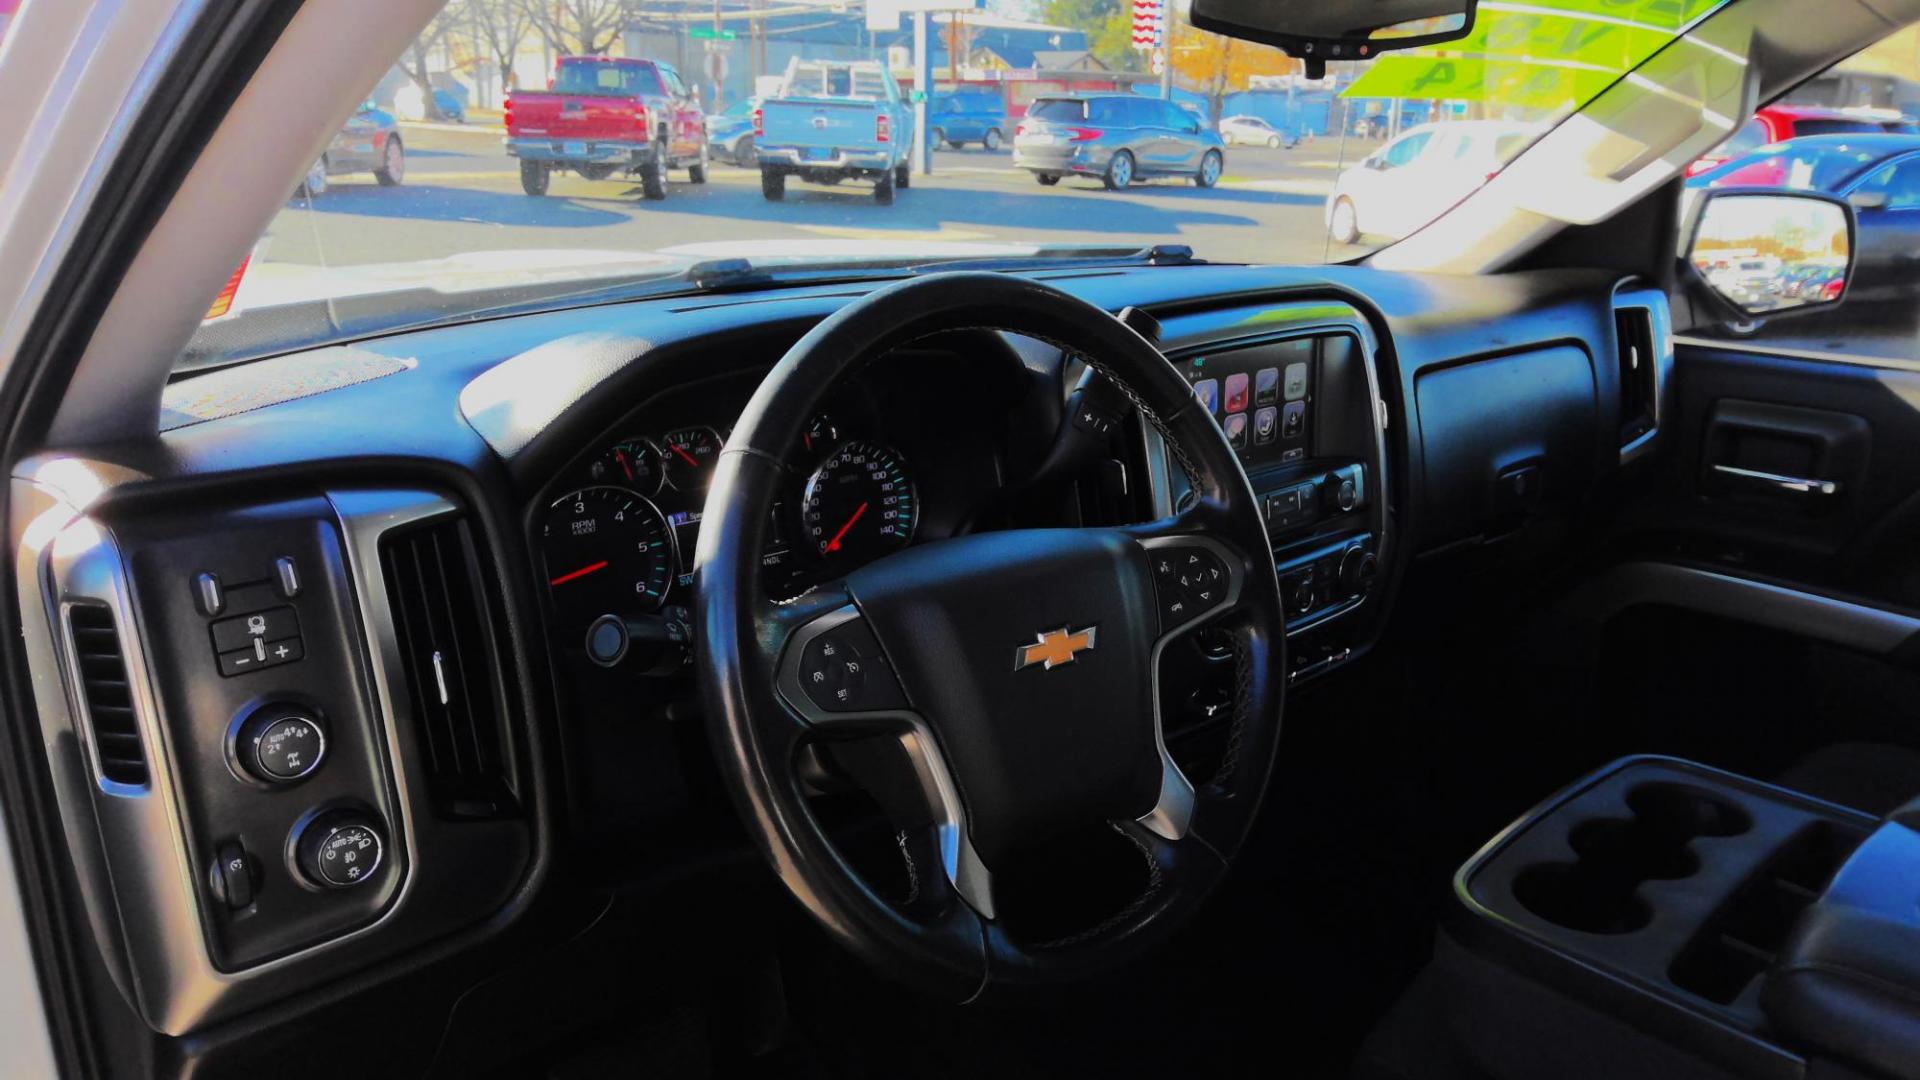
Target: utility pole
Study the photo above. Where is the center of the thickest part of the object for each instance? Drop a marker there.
(1166, 52)
(922, 96)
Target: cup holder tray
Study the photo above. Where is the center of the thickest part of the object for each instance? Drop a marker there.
(1684, 878)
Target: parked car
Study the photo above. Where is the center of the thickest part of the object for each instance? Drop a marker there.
(1778, 123)
(1419, 175)
(602, 115)
(1250, 131)
(834, 120)
(730, 134)
(1878, 172)
(451, 105)
(1118, 138)
(960, 118)
(368, 142)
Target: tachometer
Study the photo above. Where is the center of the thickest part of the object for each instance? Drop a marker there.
(629, 463)
(608, 550)
(859, 504)
(690, 455)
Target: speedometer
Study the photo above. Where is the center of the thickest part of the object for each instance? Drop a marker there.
(859, 504)
(609, 551)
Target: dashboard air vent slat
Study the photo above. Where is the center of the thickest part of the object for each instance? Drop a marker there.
(1633, 334)
(443, 610)
(107, 695)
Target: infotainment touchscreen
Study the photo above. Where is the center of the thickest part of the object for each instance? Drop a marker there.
(1261, 396)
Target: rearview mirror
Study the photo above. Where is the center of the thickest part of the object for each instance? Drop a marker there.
(1769, 252)
(1316, 31)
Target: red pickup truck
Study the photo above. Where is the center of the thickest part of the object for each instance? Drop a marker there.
(602, 115)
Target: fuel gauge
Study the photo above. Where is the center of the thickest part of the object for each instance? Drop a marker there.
(631, 463)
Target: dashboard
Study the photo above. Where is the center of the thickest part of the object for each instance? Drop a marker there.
(447, 590)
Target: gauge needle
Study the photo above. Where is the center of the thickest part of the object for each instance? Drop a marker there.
(582, 572)
(834, 544)
(624, 467)
(684, 456)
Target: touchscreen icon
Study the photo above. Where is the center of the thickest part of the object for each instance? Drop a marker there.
(1296, 381)
(1266, 386)
(1295, 420)
(1208, 391)
(1236, 426)
(1237, 392)
(1266, 425)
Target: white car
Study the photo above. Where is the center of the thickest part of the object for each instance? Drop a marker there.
(1249, 131)
(1419, 175)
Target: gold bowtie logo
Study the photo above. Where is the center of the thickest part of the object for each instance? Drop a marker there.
(1053, 648)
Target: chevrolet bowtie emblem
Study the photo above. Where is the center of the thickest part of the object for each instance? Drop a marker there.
(1053, 648)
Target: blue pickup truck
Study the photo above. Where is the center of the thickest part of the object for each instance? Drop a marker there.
(833, 121)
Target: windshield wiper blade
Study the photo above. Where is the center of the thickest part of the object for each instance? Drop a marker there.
(1069, 258)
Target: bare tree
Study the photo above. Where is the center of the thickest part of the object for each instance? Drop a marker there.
(500, 26)
(579, 27)
(414, 62)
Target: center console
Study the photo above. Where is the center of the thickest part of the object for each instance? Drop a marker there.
(1300, 404)
(1658, 896)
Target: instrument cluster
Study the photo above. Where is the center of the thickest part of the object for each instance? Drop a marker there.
(621, 542)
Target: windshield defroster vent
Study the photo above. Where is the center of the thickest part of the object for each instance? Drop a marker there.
(443, 609)
(107, 694)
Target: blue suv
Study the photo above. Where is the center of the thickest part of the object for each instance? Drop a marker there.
(960, 118)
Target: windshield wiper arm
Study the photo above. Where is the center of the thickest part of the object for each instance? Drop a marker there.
(1069, 257)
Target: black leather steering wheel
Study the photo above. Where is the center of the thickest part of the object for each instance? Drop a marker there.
(1011, 732)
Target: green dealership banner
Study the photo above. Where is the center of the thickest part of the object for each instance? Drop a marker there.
(1553, 55)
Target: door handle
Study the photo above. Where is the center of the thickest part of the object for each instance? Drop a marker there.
(1790, 485)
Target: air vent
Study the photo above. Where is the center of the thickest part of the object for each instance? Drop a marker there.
(107, 694)
(444, 610)
(1639, 377)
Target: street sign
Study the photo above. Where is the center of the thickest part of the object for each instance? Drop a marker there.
(885, 14)
(1158, 62)
(717, 67)
(708, 33)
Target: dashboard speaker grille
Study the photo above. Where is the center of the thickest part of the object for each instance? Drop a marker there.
(107, 694)
(443, 609)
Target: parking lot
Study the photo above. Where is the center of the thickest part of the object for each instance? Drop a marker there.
(462, 194)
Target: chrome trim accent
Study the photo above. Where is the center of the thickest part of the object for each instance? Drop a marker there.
(129, 846)
(1777, 607)
(1172, 813)
(440, 676)
(1660, 319)
(1791, 484)
(962, 865)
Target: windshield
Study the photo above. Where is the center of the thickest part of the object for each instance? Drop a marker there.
(514, 162)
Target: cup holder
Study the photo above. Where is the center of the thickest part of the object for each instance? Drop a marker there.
(1599, 892)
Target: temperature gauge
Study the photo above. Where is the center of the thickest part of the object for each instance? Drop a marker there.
(631, 463)
(690, 454)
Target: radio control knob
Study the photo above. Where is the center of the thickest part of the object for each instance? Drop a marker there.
(340, 850)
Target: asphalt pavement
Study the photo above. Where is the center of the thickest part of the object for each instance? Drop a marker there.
(462, 195)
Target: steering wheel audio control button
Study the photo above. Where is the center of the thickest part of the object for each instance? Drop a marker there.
(843, 670)
(1190, 581)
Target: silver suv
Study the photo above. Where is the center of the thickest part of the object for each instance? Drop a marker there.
(1118, 138)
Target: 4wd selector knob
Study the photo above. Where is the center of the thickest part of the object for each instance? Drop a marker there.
(280, 744)
(341, 849)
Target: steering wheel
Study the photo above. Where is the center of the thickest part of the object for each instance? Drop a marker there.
(1015, 674)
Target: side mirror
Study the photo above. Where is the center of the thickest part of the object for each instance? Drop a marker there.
(1376, 162)
(1868, 200)
(1762, 251)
